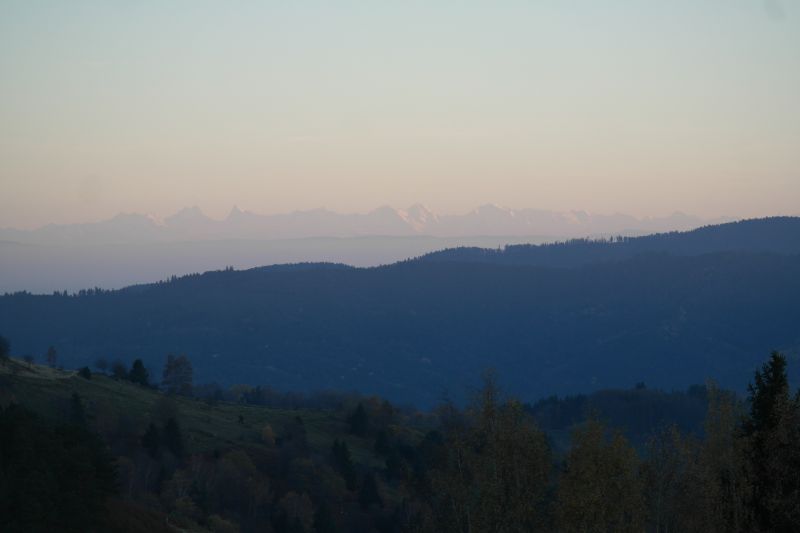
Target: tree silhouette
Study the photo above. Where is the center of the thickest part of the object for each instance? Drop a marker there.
(101, 364)
(177, 376)
(600, 489)
(494, 472)
(772, 431)
(118, 370)
(139, 374)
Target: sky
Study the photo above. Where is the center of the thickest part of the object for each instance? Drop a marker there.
(644, 107)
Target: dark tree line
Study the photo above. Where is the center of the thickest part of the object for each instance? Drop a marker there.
(486, 467)
(414, 323)
(177, 376)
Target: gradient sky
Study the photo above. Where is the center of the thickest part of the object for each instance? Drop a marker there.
(643, 107)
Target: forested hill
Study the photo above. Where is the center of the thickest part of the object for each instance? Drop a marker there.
(416, 331)
(779, 235)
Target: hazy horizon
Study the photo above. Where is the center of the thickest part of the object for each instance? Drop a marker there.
(221, 216)
(130, 249)
(634, 107)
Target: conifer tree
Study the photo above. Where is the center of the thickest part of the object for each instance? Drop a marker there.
(138, 373)
(772, 433)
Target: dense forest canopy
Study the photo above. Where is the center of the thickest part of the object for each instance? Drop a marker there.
(87, 451)
(420, 330)
(779, 235)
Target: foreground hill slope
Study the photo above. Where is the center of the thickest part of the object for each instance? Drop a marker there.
(418, 330)
(134, 473)
(112, 404)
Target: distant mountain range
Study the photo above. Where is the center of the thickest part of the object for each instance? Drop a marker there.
(670, 310)
(191, 224)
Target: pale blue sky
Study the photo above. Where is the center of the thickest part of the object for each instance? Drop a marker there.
(644, 107)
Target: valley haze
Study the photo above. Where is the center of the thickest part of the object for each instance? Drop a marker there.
(135, 248)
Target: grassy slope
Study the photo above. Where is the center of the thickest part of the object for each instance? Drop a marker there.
(47, 391)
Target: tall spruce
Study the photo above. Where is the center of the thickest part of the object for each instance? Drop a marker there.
(772, 433)
(138, 373)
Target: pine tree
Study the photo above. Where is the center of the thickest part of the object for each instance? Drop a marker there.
(139, 374)
(772, 433)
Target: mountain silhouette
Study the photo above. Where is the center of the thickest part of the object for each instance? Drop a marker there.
(671, 309)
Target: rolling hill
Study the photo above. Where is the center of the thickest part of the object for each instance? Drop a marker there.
(780, 235)
(671, 310)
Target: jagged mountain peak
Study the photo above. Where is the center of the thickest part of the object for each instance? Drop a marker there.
(485, 220)
(187, 214)
(239, 215)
